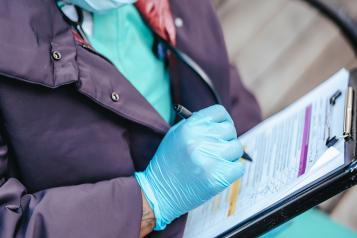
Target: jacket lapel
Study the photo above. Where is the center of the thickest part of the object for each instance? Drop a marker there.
(104, 84)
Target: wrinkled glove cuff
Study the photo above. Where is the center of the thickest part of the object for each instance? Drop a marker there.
(150, 197)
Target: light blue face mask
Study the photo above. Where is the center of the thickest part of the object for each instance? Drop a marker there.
(100, 5)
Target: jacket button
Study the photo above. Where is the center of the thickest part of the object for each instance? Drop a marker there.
(178, 22)
(56, 55)
(115, 96)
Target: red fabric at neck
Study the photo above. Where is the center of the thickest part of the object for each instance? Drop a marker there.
(157, 14)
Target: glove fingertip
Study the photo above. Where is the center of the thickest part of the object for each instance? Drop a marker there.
(240, 167)
(237, 171)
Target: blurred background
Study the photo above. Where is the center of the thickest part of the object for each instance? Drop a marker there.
(284, 48)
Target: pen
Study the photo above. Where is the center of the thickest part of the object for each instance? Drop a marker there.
(185, 113)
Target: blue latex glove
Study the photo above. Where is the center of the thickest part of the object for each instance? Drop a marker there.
(197, 159)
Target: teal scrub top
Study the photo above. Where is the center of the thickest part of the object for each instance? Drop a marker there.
(122, 36)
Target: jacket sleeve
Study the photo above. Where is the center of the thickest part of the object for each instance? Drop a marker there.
(245, 110)
(105, 209)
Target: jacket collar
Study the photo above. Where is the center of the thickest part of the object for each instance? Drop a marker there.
(28, 41)
(43, 51)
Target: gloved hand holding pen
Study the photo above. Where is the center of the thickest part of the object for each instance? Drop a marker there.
(197, 159)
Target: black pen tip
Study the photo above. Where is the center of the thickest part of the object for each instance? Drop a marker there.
(247, 157)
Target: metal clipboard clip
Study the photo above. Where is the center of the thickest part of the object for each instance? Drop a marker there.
(347, 126)
(348, 117)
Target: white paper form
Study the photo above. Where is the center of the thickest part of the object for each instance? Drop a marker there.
(289, 152)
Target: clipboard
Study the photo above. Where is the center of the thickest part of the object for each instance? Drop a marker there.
(299, 175)
(320, 190)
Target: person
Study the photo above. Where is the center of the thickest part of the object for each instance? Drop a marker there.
(90, 145)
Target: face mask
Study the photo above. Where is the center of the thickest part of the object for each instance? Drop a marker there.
(100, 5)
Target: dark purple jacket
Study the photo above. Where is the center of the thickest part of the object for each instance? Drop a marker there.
(68, 151)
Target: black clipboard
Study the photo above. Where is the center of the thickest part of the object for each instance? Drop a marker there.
(313, 194)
